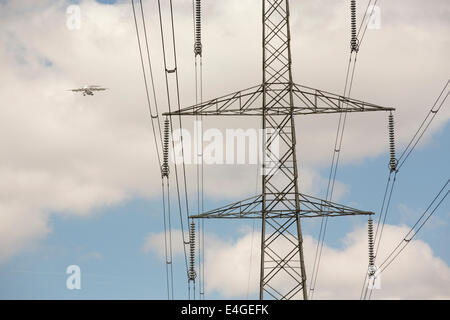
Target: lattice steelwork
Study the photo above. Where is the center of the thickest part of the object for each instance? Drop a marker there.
(280, 206)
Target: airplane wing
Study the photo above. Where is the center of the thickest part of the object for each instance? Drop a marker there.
(89, 89)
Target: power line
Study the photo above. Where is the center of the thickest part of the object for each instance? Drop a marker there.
(408, 237)
(167, 72)
(368, 20)
(332, 176)
(252, 237)
(337, 147)
(383, 215)
(364, 18)
(152, 115)
(155, 117)
(406, 153)
(168, 242)
(198, 65)
(423, 126)
(404, 156)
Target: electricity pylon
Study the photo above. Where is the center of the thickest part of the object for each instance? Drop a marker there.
(280, 206)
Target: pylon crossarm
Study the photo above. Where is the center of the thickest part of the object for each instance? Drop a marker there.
(310, 207)
(311, 101)
(236, 103)
(240, 209)
(315, 207)
(307, 100)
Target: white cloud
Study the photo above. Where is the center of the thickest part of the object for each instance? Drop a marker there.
(416, 274)
(63, 153)
(155, 242)
(20, 228)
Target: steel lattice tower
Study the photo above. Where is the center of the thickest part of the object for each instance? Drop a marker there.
(280, 206)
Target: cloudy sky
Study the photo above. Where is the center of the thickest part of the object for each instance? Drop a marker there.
(79, 181)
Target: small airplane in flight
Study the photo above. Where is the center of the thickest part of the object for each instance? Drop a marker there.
(89, 90)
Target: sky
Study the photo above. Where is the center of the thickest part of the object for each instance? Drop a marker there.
(79, 180)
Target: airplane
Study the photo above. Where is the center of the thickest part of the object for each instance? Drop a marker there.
(89, 90)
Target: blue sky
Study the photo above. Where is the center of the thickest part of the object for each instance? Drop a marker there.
(108, 246)
(79, 181)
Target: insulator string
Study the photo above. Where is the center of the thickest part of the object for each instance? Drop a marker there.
(354, 38)
(198, 28)
(192, 273)
(165, 165)
(371, 247)
(393, 160)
